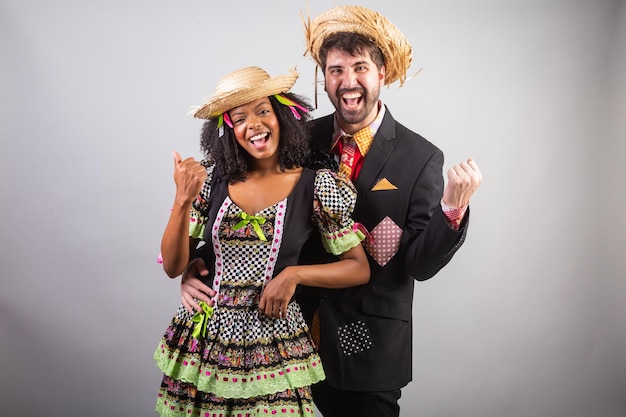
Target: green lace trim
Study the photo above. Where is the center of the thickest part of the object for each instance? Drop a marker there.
(228, 383)
(173, 409)
(342, 240)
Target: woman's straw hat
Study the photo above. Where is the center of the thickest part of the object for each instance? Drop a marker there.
(396, 49)
(241, 87)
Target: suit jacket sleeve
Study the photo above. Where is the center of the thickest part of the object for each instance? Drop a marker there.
(429, 242)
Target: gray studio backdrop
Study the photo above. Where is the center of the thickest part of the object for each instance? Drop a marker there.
(529, 318)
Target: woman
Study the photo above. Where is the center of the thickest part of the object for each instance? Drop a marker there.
(250, 353)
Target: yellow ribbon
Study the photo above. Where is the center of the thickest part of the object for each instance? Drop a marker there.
(255, 221)
(202, 319)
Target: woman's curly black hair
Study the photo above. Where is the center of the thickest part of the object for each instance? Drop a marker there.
(231, 161)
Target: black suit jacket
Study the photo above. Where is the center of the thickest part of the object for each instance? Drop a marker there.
(366, 331)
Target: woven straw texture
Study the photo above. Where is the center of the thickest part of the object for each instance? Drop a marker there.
(241, 87)
(396, 48)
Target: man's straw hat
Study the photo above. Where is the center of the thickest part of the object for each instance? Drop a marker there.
(396, 48)
(241, 87)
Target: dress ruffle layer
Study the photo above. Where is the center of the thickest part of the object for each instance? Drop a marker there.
(229, 383)
(295, 402)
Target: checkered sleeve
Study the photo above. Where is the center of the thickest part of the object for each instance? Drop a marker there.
(200, 207)
(333, 203)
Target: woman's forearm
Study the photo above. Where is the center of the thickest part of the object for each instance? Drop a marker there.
(175, 244)
(351, 269)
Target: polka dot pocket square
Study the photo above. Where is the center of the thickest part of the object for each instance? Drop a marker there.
(384, 241)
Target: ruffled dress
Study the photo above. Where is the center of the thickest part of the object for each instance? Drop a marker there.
(235, 361)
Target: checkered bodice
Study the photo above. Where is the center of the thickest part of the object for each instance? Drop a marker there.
(244, 262)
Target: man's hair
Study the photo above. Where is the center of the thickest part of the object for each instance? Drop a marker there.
(231, 161)
(352, 43)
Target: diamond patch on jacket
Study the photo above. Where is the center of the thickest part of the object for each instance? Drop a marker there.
(384, 241)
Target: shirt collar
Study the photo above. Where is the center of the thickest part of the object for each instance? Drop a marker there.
(338, 131)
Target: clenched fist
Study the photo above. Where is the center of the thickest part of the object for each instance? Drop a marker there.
(463, 181)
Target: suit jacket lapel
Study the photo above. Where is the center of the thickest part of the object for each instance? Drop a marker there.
(382, 147)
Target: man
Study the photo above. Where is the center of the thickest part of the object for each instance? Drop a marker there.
(415, 225)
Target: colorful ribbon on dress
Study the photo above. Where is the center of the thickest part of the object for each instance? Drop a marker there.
(356, 227)
(255, 221)
(202, 319)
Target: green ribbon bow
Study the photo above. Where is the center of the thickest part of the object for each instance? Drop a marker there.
(255, 221)
(201, 319)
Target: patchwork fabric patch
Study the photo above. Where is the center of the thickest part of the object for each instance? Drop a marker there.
(384, 241)
(354, 338)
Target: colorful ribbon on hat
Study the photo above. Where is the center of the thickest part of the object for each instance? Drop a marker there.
(291, 104)
(201, 319)
(255, 221)
(220, 123)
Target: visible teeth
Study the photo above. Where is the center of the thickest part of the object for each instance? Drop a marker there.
(351, 95)
(257, 137)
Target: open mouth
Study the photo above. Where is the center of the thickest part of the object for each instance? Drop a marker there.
(258, 141)
(352, 99)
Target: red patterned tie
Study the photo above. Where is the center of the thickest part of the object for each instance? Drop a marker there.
(354, 148)
(347, 156)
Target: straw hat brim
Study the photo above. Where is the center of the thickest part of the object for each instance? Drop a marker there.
(395, 47)
(224, 101)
